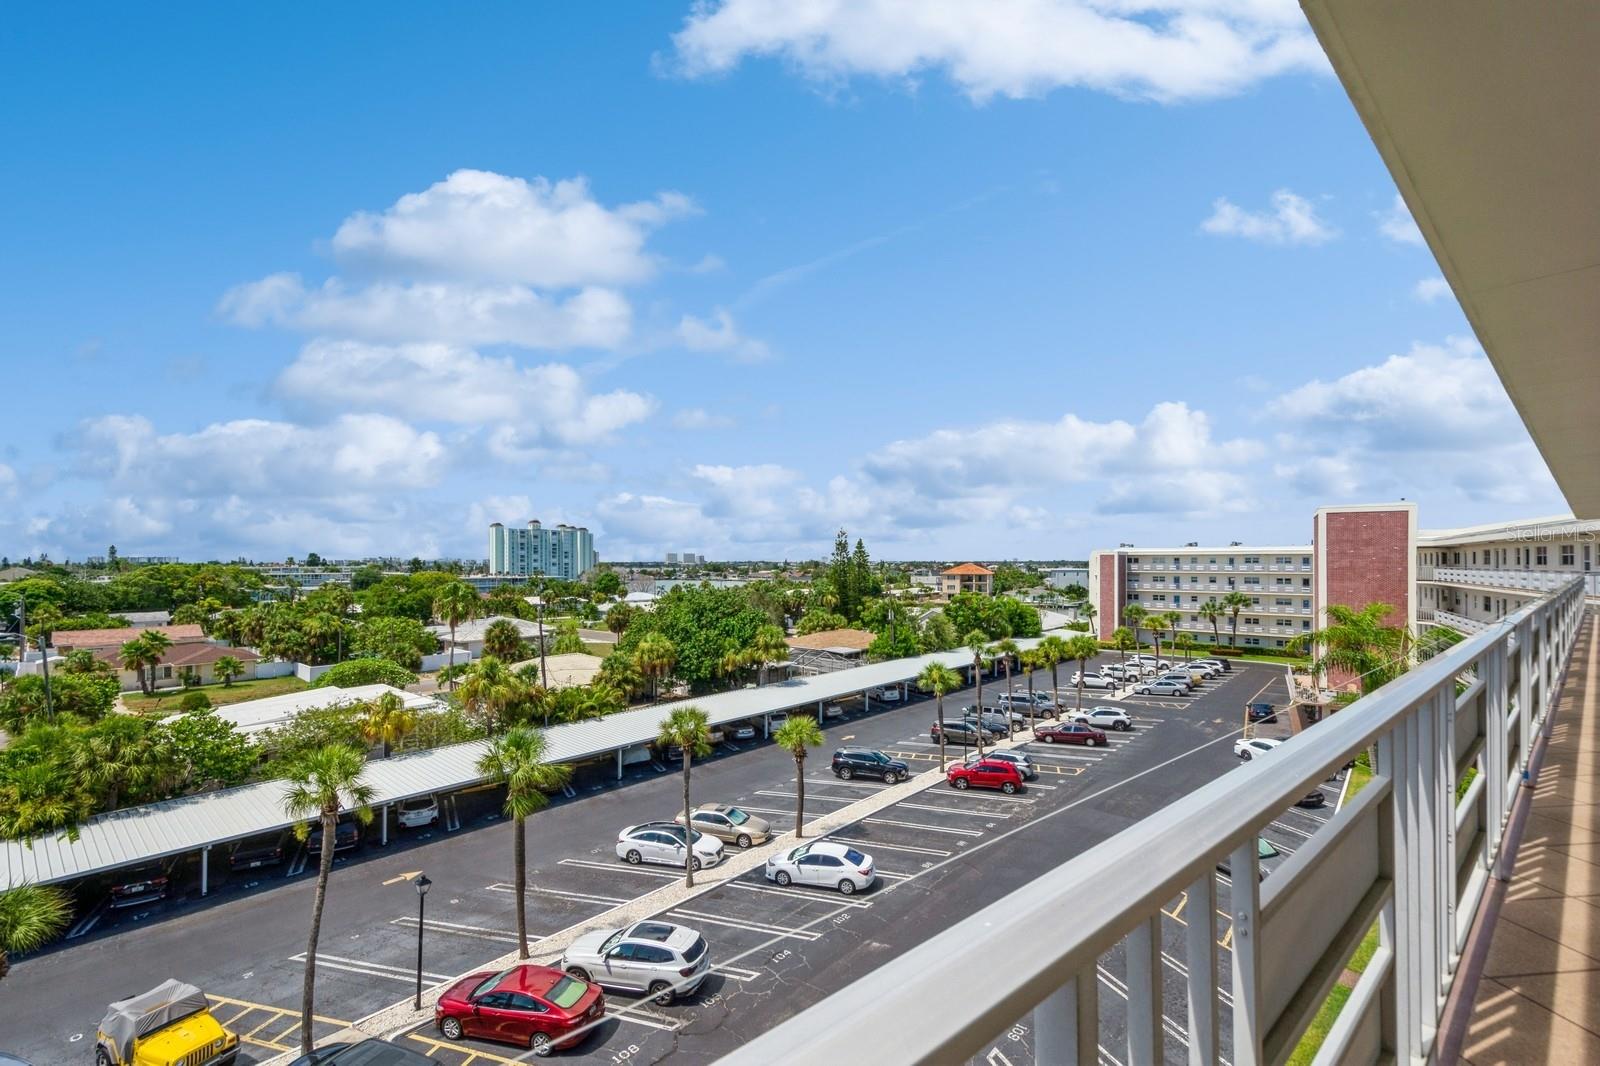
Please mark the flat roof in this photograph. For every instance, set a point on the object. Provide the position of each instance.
(190, 823)
(1232, 549)
(252, 716)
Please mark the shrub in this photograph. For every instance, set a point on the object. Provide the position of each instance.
(194, 701)
(354, 672)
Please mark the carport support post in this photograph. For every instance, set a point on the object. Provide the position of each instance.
(766, 727)
(866, 701)
(383, 829)
(205, 869)
(619, 764)
(819, 712)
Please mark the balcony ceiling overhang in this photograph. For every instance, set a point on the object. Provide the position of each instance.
(1488, 116)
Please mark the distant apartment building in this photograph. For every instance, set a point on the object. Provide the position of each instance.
(672, 558)
(1468, 578)
(1060, 577)
(1358, 555)
(968, 577)
(565, 552)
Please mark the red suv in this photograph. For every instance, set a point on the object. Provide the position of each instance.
(536, 1007)
(989, 773)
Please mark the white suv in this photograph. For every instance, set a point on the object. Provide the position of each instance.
(1093, 680)
(662, 842)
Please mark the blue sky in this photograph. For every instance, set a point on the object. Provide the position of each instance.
(1019, 279)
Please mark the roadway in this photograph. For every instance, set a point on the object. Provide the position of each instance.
(941, 854)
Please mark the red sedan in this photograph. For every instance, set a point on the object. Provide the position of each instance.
(987, 773)
(535, 1007)
(1070, 733)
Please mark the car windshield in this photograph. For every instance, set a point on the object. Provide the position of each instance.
(611, 941)
(736, 816)
(486, 985)
(565, 992)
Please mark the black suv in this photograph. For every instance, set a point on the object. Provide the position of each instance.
(850, 762)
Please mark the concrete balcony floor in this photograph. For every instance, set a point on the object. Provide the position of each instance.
(1536, 953)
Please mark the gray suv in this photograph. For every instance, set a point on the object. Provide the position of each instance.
(658, 958)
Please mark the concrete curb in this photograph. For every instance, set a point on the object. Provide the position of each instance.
(393, 1020)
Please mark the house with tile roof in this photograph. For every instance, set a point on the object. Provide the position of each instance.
(968, 577)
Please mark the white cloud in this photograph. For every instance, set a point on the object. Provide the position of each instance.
(719, 334)
(1165, 50)
(434, 311)
(1397, 223)
(691, 418)
(480, 226)
(1430, 289)
(1290, 220)
(8, 482)
(534, 406)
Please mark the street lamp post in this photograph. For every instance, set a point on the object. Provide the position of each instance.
(422, 884)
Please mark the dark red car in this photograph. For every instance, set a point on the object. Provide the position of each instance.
(987, 773)
(1070, 733)
(535, 1007)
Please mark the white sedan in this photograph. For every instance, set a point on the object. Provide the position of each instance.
(1093, 680)
(662, 842)
(824, 864)
(1249, 749)
(1105, 718)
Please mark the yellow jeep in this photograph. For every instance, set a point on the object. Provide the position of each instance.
(170, 1025)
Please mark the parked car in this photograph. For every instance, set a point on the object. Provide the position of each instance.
(369, 1052)
(170, 1024)
(1262, 712)
(833, 710)
(418, 812)
(1161, 688)
(743, 730)
(655, 957)
(536, 1007)
(958, 732)
(824, 864)
(997, 723)
(1150, 660)
(1178, 677)
(1017, 704)
(141, 885)
(1312, 800)
(1264, 851)
(1104, 718)
(1195, 674)
(1221, 664)
(346, 835)
(728, 823)
(662, 842)
(1249, 749)
(887, 695)
(1019, 759)
(985, 773)
(1093, 680)
(866, 762)
(1119, 673)
(1070, 733)
(256, 852)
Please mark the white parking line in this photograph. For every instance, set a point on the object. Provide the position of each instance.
(738, 973)
(1051, 752)
(752, 927)
(809, 795)
(622, 868)
(833, 780)
(404, 975)
(580, 897)
(876, 844)
(1287, 828)
(471, 932)
(950, 810)
(929, 828)
(833, 898)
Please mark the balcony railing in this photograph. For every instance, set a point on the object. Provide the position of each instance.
(1458, 622)
(1405, 855)
(1519, 580)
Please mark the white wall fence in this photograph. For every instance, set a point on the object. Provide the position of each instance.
(1405, 855)
(274, 668)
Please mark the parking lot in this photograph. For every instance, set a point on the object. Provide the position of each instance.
(939, 854)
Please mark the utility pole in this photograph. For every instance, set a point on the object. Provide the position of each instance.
(44, 653)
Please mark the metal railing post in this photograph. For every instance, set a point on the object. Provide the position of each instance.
(1066, 1024)
(1200, 941)
(1244, 904)
(1143, 951)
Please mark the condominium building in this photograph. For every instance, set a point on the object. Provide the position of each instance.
(1467, 578)
(1358, 554)
(968, 577)
(566, 552)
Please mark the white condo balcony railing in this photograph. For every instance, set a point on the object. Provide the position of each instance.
(1520, 580)
(1404, 855)
(1458, 622)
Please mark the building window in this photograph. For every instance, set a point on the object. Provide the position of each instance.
(1305, 582)
(1305, 624)
(1252, 621)
(1541, 556)
(1253, 641)
(1306, 604)
(1568, 556)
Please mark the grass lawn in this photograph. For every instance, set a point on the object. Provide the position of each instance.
(238, 692)
(601, 650)
(1311, 1042)
(1360, 774)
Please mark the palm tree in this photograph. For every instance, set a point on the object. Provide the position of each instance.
(1133, 617)
(1122, 640)
(622, 672)
(1234, 602)
(1005, 650)
(455, 603)
(1212, 611)
(768, 647)
(686, 728)
(655, 657)
(1184, 643)
(388, 721)
(600, 699)
(796, 734)
(155, 644)
(1088, 613)
(489, 689)
(30, 917)
(1360, 643)
(731, 662)
(516, 759)
(1055, 651)
(977, 642)
(131, 657)
(318, 628)
(1082, 648)
(939, 679)
(503, 640)
(123, 757)
(1031, 661)
(1169, 621)
(320, 782)
(227, 668)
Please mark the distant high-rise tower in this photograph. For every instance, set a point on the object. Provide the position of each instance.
(672, 558)
(565, 552)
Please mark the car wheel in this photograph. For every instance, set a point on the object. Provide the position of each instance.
(1122, 725)
(959, 782)
(101, 1058)
(694, 863)
(1245, 755)
(579, 972)
(782, 877)
(634, 858)
(539, 1044)
(1048, 739)
(451, 1028)
(847, 887)
(744, 840)
(661, 993)
(1008, 788)
(845, 773)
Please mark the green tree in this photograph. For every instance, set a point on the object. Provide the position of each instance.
(354, 672)
(227, 668)
(568, 641)
(1032, 662)
(768, 648)
(938, 633)
(1233, 603)
(1133, 617)
(503, 640)
(131, 656)
(89, 697)
(819, 621)
(1122, 640)
(1005, 651)
(321, 628)
(156, 645)
(796, 735)
(619, 617)
(490, 690)
(516, 759)
(39, 790)
(700, 622)
(1082, 648)
(687, 728)
(606, 582)
(655, 657)
(622, 673)
(214, 752)
(1088, 613)
(1360, 644)
(1056, 651)
(396, 638)
(939, 679)
(453, 604)
(1184, 643)
(388, 721)
(30, 917)
(320, 783)
(123, 757)
(1211, 611)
